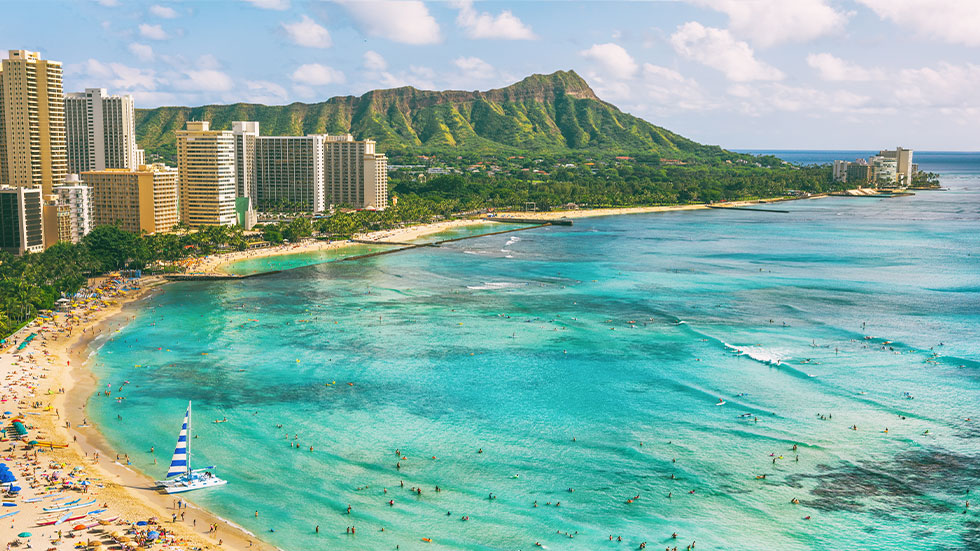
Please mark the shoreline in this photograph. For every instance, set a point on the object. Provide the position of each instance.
(69, 381)
(218, 263)
(129, 492)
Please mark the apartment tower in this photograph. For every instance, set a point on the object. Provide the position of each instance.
(32, 122)
(101, 131)
(141, 200)
(289, 173)
(354, 173)
(78, 198)
(206, 165)
(21, 220)
(245, 133)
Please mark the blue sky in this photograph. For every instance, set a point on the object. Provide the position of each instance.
(831, 74)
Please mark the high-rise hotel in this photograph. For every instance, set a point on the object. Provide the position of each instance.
(141, 200)
(206, 168)
(101, 131)
(308, 173)
(32, 122)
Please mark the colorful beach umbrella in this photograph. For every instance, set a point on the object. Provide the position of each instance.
(141, 523)
(153, 534)
(24, 535)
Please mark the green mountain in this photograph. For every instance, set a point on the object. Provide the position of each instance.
(547, 113)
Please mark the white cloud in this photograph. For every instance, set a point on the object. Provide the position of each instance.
(717, 49)
(163, 11)
(307, 32)
(408, 22)
(474, 68)
(373, 61)
(484, 25)
(670, 90)
(953, 21)
(279, 5)
(107, 3)
(613, 58)
(262, 91)
(762, 98)
(154, 32)
(837, 69)
(314, 74)
(204, 80)
(417, 76)
(947, 86)
(769, 22)
(142, 51)
(118, 76)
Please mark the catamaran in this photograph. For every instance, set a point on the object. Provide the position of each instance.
(180, 477)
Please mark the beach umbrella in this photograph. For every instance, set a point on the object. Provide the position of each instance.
(32, 443)
(79, 527)
(15, 489)
(141, 523)
(24, 535)
(153, 534)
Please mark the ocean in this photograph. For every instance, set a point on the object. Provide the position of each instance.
(576, 373)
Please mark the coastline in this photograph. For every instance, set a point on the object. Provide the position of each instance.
(69, 382)
(129, 493)
(218, 263)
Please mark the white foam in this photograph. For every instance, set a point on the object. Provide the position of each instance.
(492, 285)
(759, 354)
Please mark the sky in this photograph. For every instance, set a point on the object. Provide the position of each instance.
(778, 74)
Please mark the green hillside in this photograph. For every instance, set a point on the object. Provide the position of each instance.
(548, 113)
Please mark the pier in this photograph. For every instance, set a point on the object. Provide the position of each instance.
(409, 246)
(539, 221)
(757, 209)
(214, 276)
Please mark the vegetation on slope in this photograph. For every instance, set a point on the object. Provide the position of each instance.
(542, 113)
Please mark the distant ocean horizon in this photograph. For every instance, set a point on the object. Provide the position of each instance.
(932, 161)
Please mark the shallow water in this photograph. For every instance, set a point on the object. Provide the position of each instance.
(589, 357)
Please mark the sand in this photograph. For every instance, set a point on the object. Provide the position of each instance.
(50, 373)
(49, 383)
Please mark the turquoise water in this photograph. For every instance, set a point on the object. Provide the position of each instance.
(525, 345)
(298, 260)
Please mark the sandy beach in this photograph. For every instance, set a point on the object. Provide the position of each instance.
(216, 263)
(47, 384)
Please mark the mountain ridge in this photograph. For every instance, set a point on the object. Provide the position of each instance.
(547, 113)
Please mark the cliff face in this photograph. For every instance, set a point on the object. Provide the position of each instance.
(553, 112)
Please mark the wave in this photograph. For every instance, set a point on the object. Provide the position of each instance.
(513, 239)
(759, 354)
(493, 285)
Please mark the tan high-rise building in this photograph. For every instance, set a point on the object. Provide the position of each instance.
(32, 122)
(142, 200)
(57, 221)
(354, 173)
(101, 131)
(206, 164)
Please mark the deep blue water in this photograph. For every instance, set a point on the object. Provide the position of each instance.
(590, 357)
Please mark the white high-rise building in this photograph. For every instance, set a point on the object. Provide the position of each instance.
(78, 198)
(245, 133)
(840, 171)
(101, 131)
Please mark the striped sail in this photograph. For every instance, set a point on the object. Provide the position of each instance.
(178, 465)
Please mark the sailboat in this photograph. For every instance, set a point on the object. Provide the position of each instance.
(180, 477)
